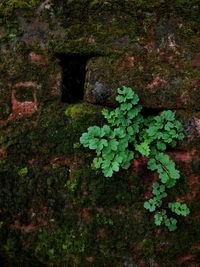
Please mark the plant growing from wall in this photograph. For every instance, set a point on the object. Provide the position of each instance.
(127, 135)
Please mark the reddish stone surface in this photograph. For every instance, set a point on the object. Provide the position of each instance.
(138, 164)
(180, 199)
(197, 123)
(101, 233)
(26, 228)
(183, 259)
(192, 195)
(155, 83)
(148, 182)
(196, 60)
(22, 228)
(193, 264)
(90, 259)
(25, 84)
(150, 47)
(32, 161)
(91, 39)
(171, 43)
(22, 108)
(194, 190)
(183, 156)
(59, 161)
(196, 246)
(154, 264)
(127, 60)
(170, 59)
(86, 214)
(193, 180)
(2, 153)
(186, 157)
(37, 58)
(183, 99)
(195, 83)
(37, 220)
(142, 263)
(130, 61)
(85, 193)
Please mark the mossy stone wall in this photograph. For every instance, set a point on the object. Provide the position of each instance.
(55, 210)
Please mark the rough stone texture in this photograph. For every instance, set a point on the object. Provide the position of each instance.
(54, 209)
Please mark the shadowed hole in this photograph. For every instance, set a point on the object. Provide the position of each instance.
(73, 77)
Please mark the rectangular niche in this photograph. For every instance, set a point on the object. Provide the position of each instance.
(73, 76)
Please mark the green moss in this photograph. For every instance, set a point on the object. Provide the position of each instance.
(80, 109)
(60, 186)
(9, 17)
(9, 6)
(77, 46)
(5, 109)
(115, 224)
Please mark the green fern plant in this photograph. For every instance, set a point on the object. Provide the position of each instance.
(148, 137)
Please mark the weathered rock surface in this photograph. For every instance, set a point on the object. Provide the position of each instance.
(55, 210)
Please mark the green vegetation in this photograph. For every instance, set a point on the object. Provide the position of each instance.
(9, 6)
(179, 209)
(23, 171)
(55, 209)
(9, 17)
(147, 137)
(161, 218)
(111, 141)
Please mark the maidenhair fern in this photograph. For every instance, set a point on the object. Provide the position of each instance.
(148, 137)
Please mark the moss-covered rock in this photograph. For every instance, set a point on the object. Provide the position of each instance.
(56, 210)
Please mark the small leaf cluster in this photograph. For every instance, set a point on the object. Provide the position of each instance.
(23, 171)
(171, 223)
(146, 136)
(179, 209)
(156, 201)
(165, 167)
(161, 218)
(111, 141)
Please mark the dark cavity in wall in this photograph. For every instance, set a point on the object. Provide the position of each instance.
(73, 77)
(151, 111)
